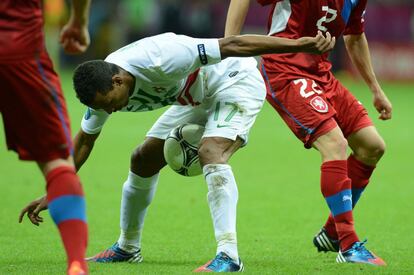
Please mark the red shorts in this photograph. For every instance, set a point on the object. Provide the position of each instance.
(312, 109)
(34, 110)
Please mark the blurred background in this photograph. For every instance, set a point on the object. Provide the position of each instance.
(113, 24)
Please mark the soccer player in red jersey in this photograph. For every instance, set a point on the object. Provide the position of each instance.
(35, 116)
(321, 112)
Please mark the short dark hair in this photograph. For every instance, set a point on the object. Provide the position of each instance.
(91, 77)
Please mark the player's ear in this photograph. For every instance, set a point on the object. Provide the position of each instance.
(116, 80)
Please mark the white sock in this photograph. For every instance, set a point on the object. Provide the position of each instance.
(222, 198)
(137, 195)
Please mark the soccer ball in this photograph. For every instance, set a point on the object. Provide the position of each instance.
(181, 149)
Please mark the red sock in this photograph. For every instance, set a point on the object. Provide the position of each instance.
(336, 188)
(359, 173)
(330, 227)
(67, 209)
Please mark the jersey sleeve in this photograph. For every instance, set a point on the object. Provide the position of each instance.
(356, 20)
(93, 121)
(181, 55)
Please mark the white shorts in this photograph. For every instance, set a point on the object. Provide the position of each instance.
(228, 113)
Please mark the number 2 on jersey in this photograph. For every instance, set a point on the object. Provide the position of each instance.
(330, 16)
(305, 91)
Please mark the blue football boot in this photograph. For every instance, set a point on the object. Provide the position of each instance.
(116, 254)
(221, 263)
(359, 254)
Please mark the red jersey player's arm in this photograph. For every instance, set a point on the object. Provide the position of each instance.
(80, 11)
(236, 16)
(74, 36)
(253, 45)
(358, 50)
(83, 144)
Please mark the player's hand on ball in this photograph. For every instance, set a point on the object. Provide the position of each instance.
(318, 44)
(33, 210)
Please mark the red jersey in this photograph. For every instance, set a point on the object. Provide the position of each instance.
(297, 18)
(21, 34)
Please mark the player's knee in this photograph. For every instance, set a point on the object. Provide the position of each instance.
(137, 156)
(340, 146)
(148, 159)
(333, 148)
(48, 166)
(374, 152)
(210, 153)
(379, 149)
(142, 155)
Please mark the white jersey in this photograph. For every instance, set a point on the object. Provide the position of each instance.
(167, 71)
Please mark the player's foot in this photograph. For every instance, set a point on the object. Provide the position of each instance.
(359, 254)
(324, 243)
(76, 269)
(221, 263)
(116, 254)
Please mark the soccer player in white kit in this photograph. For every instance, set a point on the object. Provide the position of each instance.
(170, 69)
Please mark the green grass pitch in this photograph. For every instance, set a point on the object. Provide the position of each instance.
(280, 205)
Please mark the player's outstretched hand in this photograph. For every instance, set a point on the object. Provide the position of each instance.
(74, 37)
(318, 44)
(382, 104)
(33, 209)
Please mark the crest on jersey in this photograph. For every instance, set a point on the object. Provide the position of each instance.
(319, 104)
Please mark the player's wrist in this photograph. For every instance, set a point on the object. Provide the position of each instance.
(375, 88)
(303, 44)
(80, 22)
